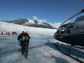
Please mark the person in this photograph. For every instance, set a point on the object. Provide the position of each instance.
(14, 33)
(1, 33)
(24, 43)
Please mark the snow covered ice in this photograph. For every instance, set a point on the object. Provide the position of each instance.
(41, 46)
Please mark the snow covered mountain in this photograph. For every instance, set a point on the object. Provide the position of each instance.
(28, 22)
(10, 27)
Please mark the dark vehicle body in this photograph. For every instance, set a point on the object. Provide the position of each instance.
(72, 33)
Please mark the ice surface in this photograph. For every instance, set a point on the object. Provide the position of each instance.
(41, 50)
(41, 47)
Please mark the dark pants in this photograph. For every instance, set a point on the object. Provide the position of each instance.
(24, 49)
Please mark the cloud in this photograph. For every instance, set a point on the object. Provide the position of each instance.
(35, 18)
(44, 20)
(56, 25)
(22, 16)
(39, 20)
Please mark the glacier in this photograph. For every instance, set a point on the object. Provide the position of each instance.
(41, 46)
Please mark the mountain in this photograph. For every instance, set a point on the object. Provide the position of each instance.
(20, 21)
(42, 25)
(28, 22)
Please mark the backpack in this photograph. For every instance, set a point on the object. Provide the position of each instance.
(24, 38)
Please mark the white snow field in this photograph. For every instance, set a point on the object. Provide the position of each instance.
(41, 46)
(10, 27)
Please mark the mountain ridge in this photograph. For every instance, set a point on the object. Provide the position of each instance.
(27, 22)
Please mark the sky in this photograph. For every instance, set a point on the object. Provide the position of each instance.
(49, 11)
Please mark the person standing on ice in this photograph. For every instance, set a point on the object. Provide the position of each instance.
(24, 38)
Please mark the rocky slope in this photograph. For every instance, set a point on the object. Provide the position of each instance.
(27, 22)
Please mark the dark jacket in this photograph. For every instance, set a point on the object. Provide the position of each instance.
(20, 36)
